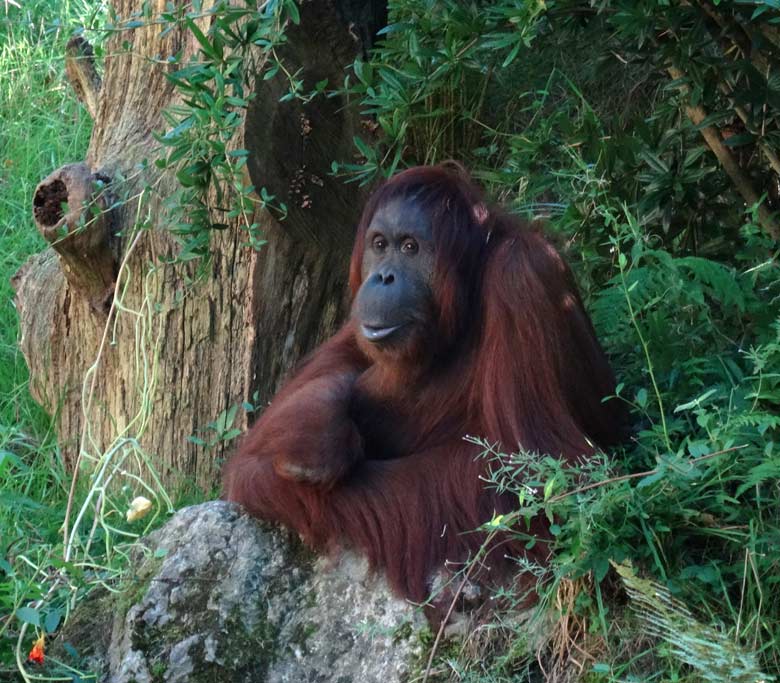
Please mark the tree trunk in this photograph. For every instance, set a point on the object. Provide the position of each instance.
(130, 351)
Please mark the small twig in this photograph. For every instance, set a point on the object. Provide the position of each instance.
(638, 475)
(455, 597)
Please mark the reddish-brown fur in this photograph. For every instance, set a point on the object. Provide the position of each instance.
(510, 356)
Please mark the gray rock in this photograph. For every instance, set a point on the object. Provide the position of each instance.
(217, 596)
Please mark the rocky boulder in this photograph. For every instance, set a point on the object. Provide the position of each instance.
(216, 596)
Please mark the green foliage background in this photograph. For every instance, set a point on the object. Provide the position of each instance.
(570, 112)
(43, 126)
(577, 113)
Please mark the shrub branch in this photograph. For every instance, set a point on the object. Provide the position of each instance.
(712, 137)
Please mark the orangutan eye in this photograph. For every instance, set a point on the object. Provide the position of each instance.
(379, 243)
(409, 246)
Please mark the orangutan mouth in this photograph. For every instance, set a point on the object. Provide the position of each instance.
(377, 333)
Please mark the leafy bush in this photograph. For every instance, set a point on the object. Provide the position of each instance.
(600, 119)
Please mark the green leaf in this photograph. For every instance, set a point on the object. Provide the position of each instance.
(52, 620)
(29, 615)
(511, 56)
(695, 403)
(8, 459)
(651, 479)
(548, 488)
(740, 139)
(205, 45)
(364, 149)
(292, 12)
(231, 415)
(497, 521)
(600, 568)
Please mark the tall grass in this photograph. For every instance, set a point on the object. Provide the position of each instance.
(43, 127)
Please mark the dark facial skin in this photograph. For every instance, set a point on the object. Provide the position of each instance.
(394, 302)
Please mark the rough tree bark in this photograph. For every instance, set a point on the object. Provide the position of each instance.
(177, 352)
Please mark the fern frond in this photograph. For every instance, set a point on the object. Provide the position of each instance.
(714, 654)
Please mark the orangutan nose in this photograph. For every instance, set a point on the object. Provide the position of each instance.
(386, 278)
